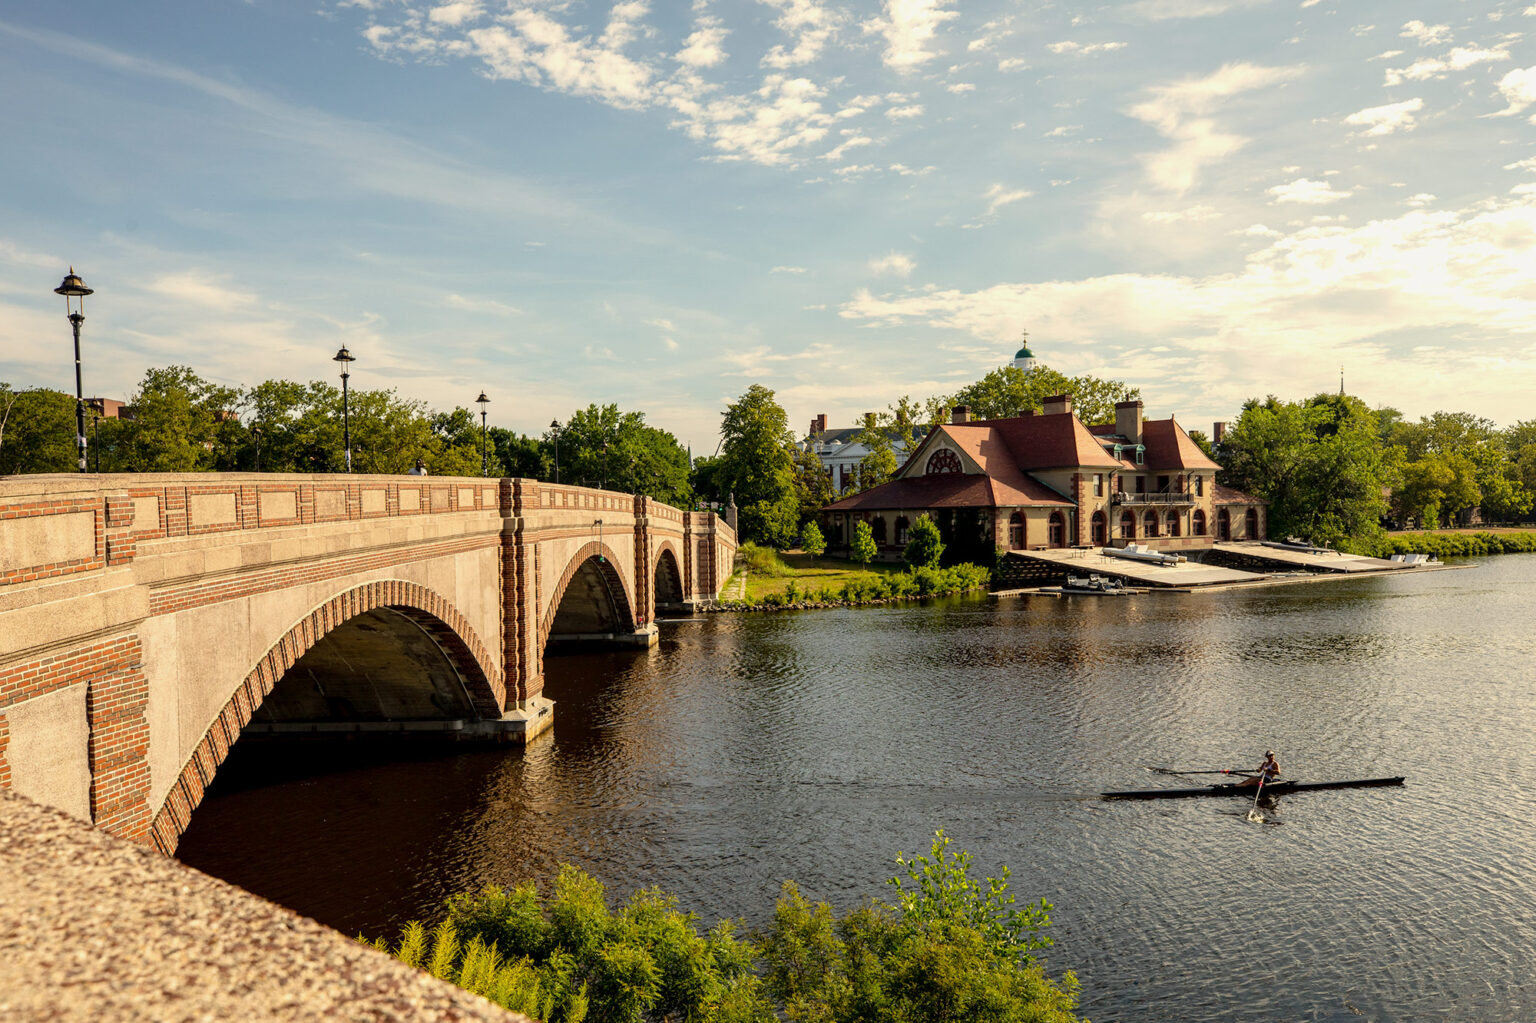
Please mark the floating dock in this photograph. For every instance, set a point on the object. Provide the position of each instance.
(1222, 564)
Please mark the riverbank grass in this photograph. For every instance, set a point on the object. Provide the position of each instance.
(798, 579)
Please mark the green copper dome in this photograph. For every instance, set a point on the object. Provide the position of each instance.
(1025, 353)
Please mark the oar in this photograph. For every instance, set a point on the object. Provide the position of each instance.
(1169, 770)
(1253, 813)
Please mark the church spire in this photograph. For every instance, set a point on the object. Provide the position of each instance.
(1024, 359)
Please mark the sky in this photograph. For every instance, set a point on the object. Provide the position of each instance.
(659, 205)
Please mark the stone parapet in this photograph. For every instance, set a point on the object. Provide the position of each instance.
(96, 928)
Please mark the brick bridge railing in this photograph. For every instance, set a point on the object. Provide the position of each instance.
(144, 618)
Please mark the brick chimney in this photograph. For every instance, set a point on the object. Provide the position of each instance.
(1057, 404)
(1128, 420)
(961, 414)
(819, 424)
(1218, 432)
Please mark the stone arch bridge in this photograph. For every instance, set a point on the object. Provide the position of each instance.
(147, 621)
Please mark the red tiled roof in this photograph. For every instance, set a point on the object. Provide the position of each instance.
(949, 490)
(1227, 495)
(1032, 443)
(1169, 447)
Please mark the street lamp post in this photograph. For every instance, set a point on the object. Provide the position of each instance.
(256, 430)
(344, 357)
(483, 401)
(605, 463)
(554, 425)
(74, 291)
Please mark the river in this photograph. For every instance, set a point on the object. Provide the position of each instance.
(746, 749)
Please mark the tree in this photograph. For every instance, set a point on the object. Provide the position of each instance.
(1318, 463)
(813, 484)
(181, 423)
(1009, 391)
(924, 547)
(811, 540)
(757, 466)
(523, 456)
(879, 464)
(864, 549)
(37, 431)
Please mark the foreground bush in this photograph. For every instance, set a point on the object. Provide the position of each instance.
(948, 949)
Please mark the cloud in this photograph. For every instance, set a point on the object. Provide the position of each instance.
(1519, 90)
(1193, 214)
(809, 24)
(1167, 10)
(909, 27)
(1180, 112)
(455, 14)
(789, 270)
(1458, 59)
(705, 46)
(195, 287)
(1062, 131)
(480, 305)
(1307, 192)
(896, 264)
(1081, 49)
(959, 88)
(999, 196)
(1292, 303)
(905, 113)
(1427, 35)
(1384, 120)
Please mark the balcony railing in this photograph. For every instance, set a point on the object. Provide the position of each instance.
(1170, 498)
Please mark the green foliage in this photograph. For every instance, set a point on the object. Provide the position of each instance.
(811, 540)
(924, 548)
(813, 484)
(1446, 545)
(939, 893)
(570, 956)
(37, 431)
(864, 548)
(1009, 391)
(1318, 463)
(603, 447)
(760, 560)
(950, 949)
(757, 467)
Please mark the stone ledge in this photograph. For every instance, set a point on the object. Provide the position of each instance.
(96, 928)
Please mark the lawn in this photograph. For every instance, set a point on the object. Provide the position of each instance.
(806, 571)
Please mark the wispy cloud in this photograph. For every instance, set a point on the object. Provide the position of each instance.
(896, 264)
(1181, 112)
(1307, 192)
(1083, 49)
(1386, 119)
(999, 196)
(1458, 59)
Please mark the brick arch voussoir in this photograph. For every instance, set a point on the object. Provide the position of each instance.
(618, 587)
(427, 609)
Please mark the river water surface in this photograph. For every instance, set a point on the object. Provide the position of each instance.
(746, 749)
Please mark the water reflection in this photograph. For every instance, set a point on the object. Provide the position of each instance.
(747, 749)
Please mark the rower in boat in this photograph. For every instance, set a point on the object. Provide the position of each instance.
(1268, 771)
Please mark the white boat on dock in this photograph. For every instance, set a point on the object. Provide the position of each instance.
(1141, 552)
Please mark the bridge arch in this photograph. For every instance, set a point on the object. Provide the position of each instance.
(667, 577)
(592, 597)
(424, 608)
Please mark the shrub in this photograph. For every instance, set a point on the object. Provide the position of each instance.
(811, 540)
(761, 560)
(924, 548)
(864, 548)
(571, 958)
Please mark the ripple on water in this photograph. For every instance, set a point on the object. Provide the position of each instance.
(745, 750)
